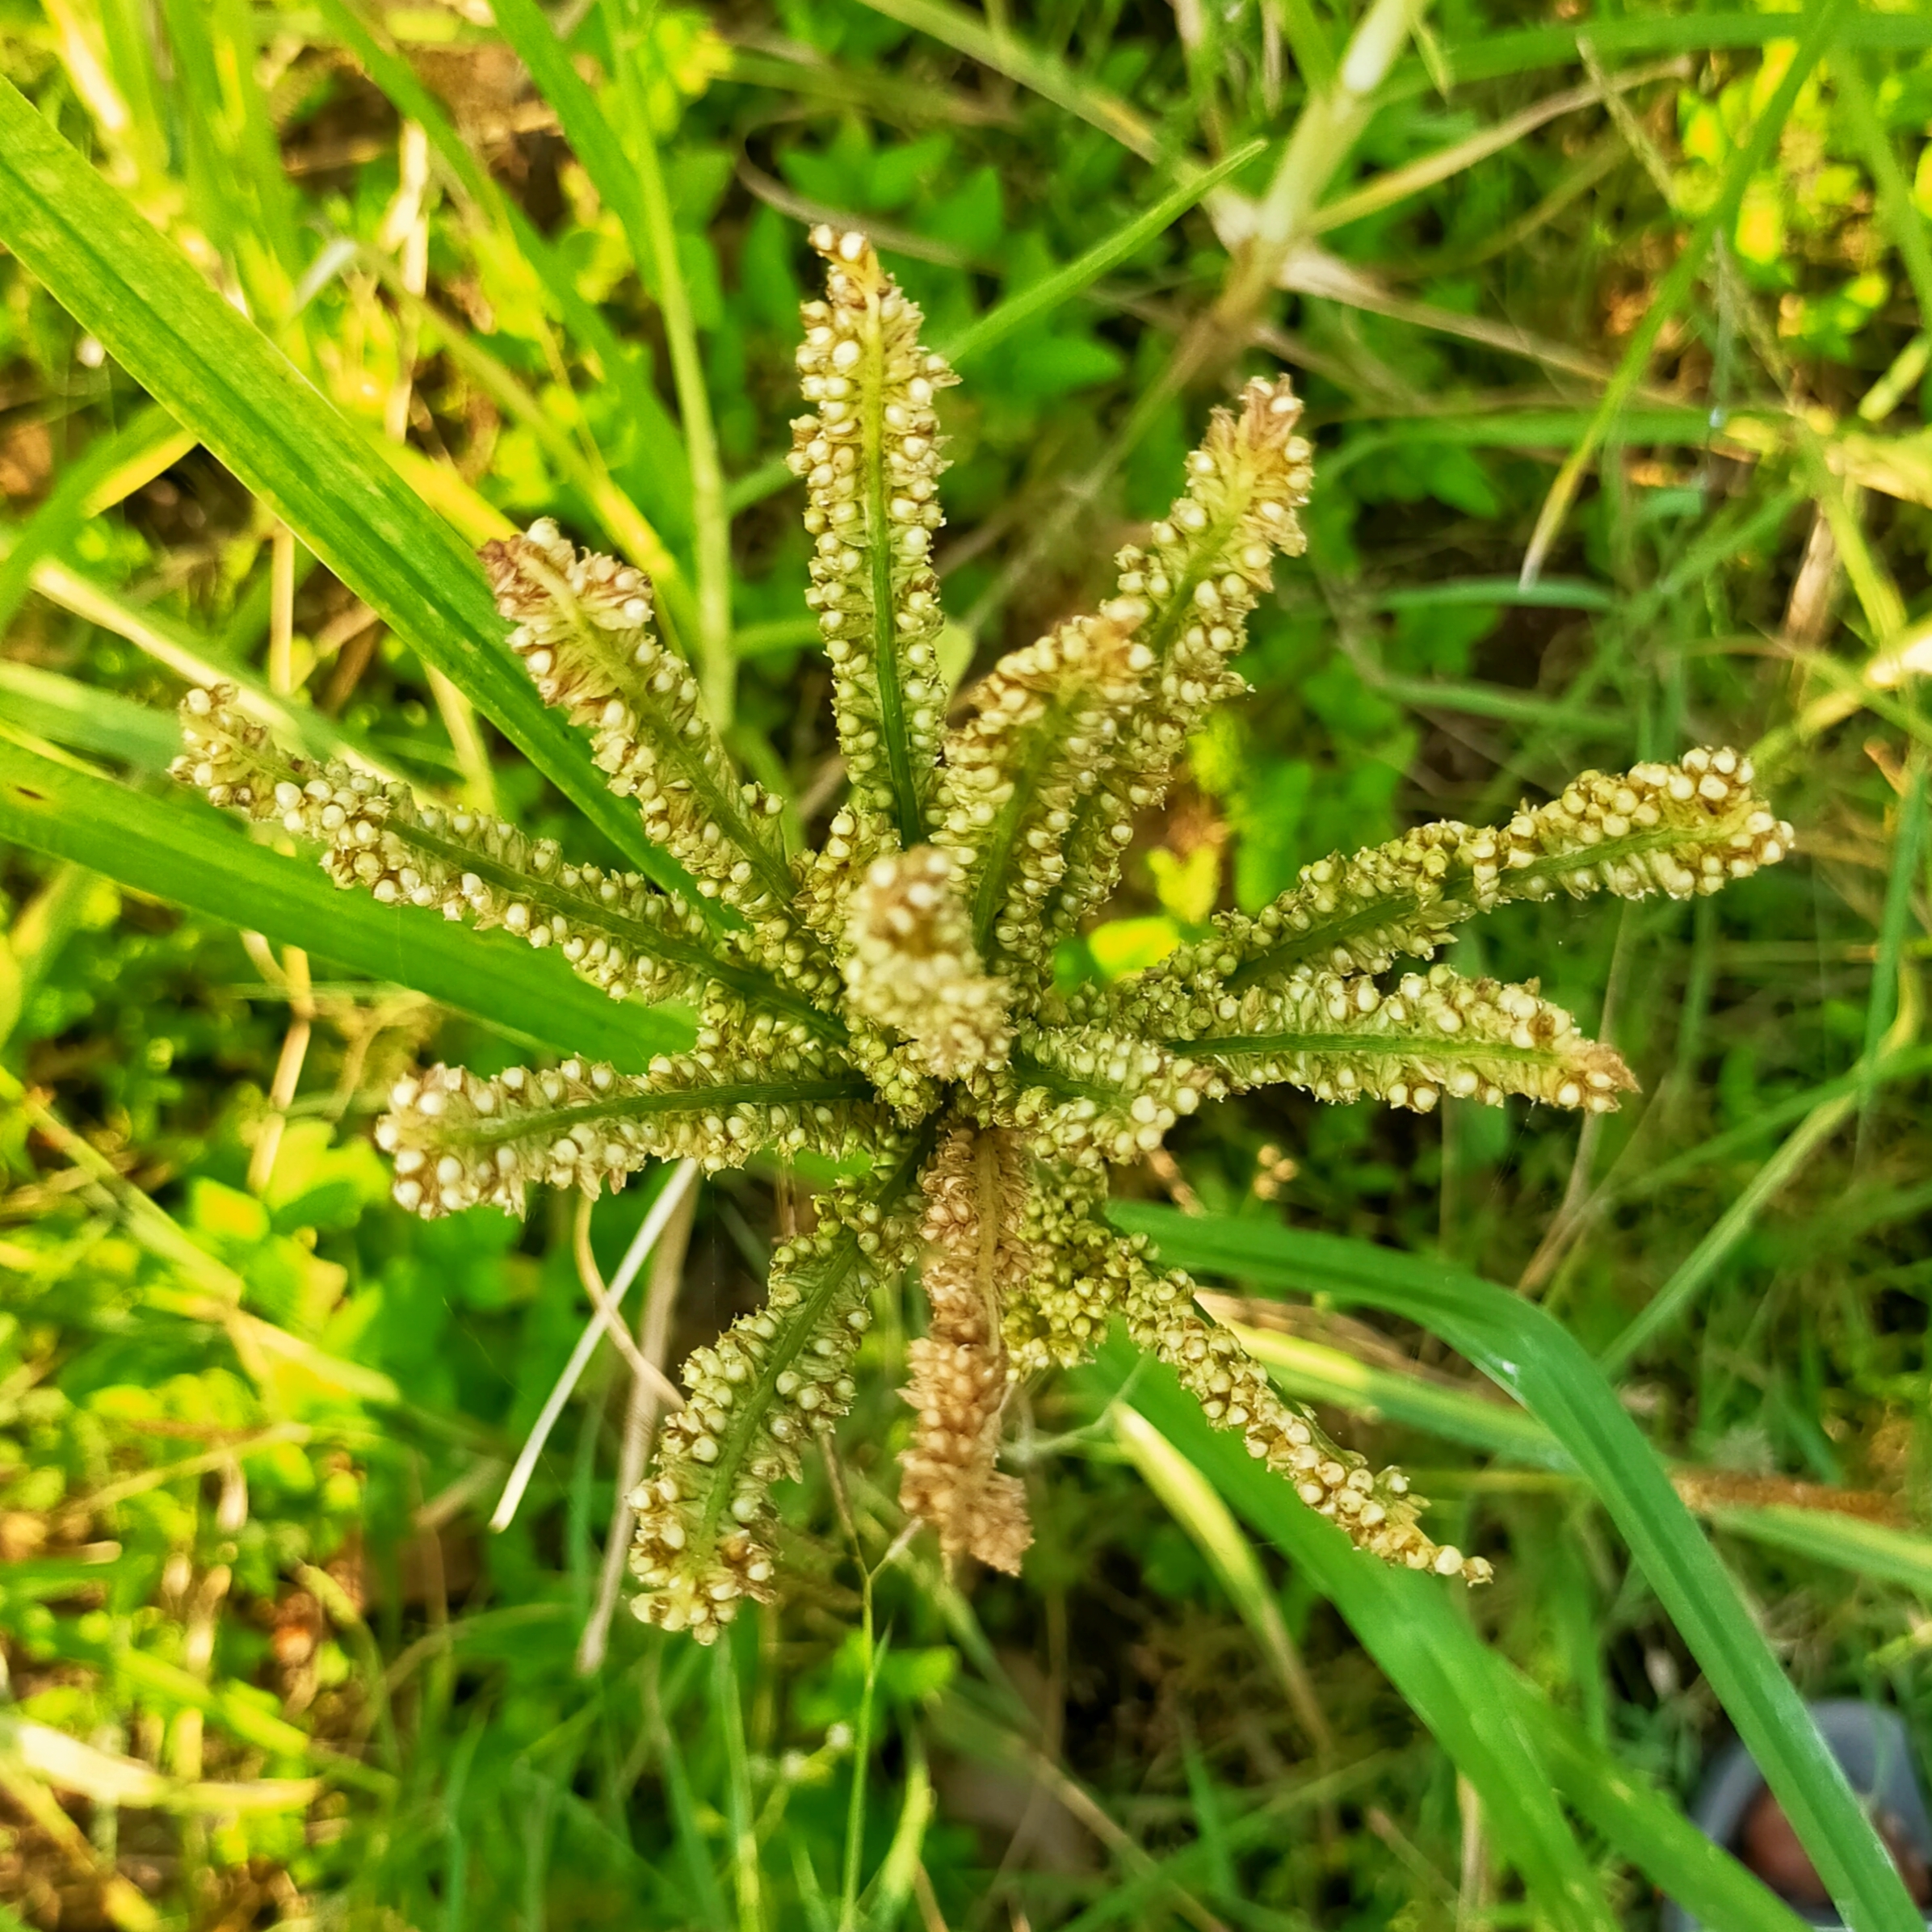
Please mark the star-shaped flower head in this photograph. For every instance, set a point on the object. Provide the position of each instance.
(888, 1002)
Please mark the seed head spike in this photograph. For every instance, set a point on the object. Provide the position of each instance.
(972, 1254)
(459, 1140)
(1375, 1508)
(1346, 1039)
(613, 929)
(705, 1540)
(911, 968)
(1683, 828)
(583, 627)
(870, 457)
(1206, 564)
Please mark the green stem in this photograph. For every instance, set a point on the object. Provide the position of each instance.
(711, 518)
(862, 1753)
(1045, 738)
(1377, 1046)
(1324, 136)
(491, 1130)
(653, 941)
(801, 1322)
(748, 1881)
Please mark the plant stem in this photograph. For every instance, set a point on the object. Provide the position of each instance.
(1323, 137)
(629, 24)
(744, 1840)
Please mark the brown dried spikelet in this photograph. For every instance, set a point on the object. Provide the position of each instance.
(975, 1196)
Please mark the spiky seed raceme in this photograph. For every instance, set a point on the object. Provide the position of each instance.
(1206, 564)
(974, 1256)
(1682, 829)
(1374, 1508)
(890, 997)
(1042, 724)
(870, 457)
(775, 1378)
(911, 967)
(1090, 1096)
(615, 929)
(460, 1139)
(583, 627)
(1345, 1039)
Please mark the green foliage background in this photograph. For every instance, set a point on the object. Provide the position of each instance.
(252, 1418)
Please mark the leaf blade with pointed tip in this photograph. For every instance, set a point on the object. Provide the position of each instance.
(187, 855)
(1491, 1721)
(224, 380)
(1536, 1359)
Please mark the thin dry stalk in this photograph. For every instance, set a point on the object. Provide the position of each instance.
(640, 1421)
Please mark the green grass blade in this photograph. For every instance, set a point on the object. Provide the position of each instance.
(892, 1888)
(1910, 232)
(1881, 1005)
(623, 523)
(1405, 1623)
(1710, 1254)
(1045, 73)
(1873, 1550)
(1494, 1723)
(628, 22)
(226, 382)
(635, 193)
(151, 438)
(693, 1853)
(1821, 26)
(1084, 270)
(1494, 55)
(237, 193)
(1647, 1827)
(1314, 1372)
(1520, 1347)
(1195, 1505)
(667, 464)
(728, 1713)
(181, 853)
(196, 660)
(68, 712)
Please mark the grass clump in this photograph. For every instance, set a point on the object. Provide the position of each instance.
(890, 947)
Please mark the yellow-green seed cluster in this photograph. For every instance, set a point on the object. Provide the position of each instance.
(1375, 1508)
(1345, 1039)
(1092, 1096)
(1077, 1274)
(774, 1380)
(614, 929)
(582, 626)
(911, 969)
(888, 1001)
(1044, 722)
(460, 1140)
(1194, 582)
(1679, 829)
(957, 1375)
(870, 458)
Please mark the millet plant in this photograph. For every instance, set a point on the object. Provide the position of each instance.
(889, 1001)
